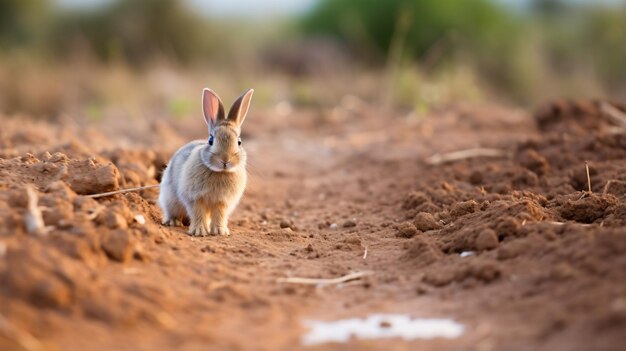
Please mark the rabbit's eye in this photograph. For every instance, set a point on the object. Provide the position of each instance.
(211, 140)
(239, 141)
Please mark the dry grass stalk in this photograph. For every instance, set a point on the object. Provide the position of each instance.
(607, 186)
(588, 177)
(563, 223)
(33, 218)
(437, 159)
(323, 281)
(615, 114)
(365, 253)
(121, 191)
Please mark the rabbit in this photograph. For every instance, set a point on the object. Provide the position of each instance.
(205, 179)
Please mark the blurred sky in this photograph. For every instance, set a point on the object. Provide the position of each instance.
(268, 8)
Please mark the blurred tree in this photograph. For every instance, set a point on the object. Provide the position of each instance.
(477, 22)
(479, 32)
(22, 21)
(579, 39)
(137, 31)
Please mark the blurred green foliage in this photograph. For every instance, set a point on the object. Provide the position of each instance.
(433, 31)
(522, 51)
(551, 48)
(136, 31)
(22, 22)
(584, 37)
(480, 23)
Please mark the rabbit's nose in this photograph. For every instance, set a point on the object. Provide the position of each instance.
(225, 162)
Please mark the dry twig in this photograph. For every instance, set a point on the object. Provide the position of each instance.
(93, 214)
(563, 223)
(588, 177)
(325, 281)
(464, 154)
(121, 191)
(607, 186)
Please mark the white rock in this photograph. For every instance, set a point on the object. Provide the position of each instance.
(140, 219)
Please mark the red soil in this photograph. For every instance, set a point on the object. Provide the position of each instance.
(547, 271)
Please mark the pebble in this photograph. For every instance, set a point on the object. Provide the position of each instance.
(140, 219)
(349, 223)
(114, 220)
(118, 245)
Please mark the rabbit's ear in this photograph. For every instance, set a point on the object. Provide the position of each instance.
(212, 107)
(240, 107)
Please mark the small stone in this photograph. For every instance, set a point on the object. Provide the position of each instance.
(285, 224)
(486, 240)
(118, 245)
(140, 219)
(114, 220)
(333, 226)
(349, 223)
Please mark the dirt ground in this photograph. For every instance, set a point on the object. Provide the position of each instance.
(547, 269)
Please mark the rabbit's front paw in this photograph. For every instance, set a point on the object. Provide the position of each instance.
(217, 230)
(199, 230)
(174, 222)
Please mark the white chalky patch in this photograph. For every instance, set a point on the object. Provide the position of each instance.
(467, 253)
(379, 326)
(140, 219)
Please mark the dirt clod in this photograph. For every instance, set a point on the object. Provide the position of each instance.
(588, 208)
(487, 239)
(349, 223)
(406, 230)
(114, 220)
(118, 245)
(92, 177)
(462, 208)
(425, 221)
